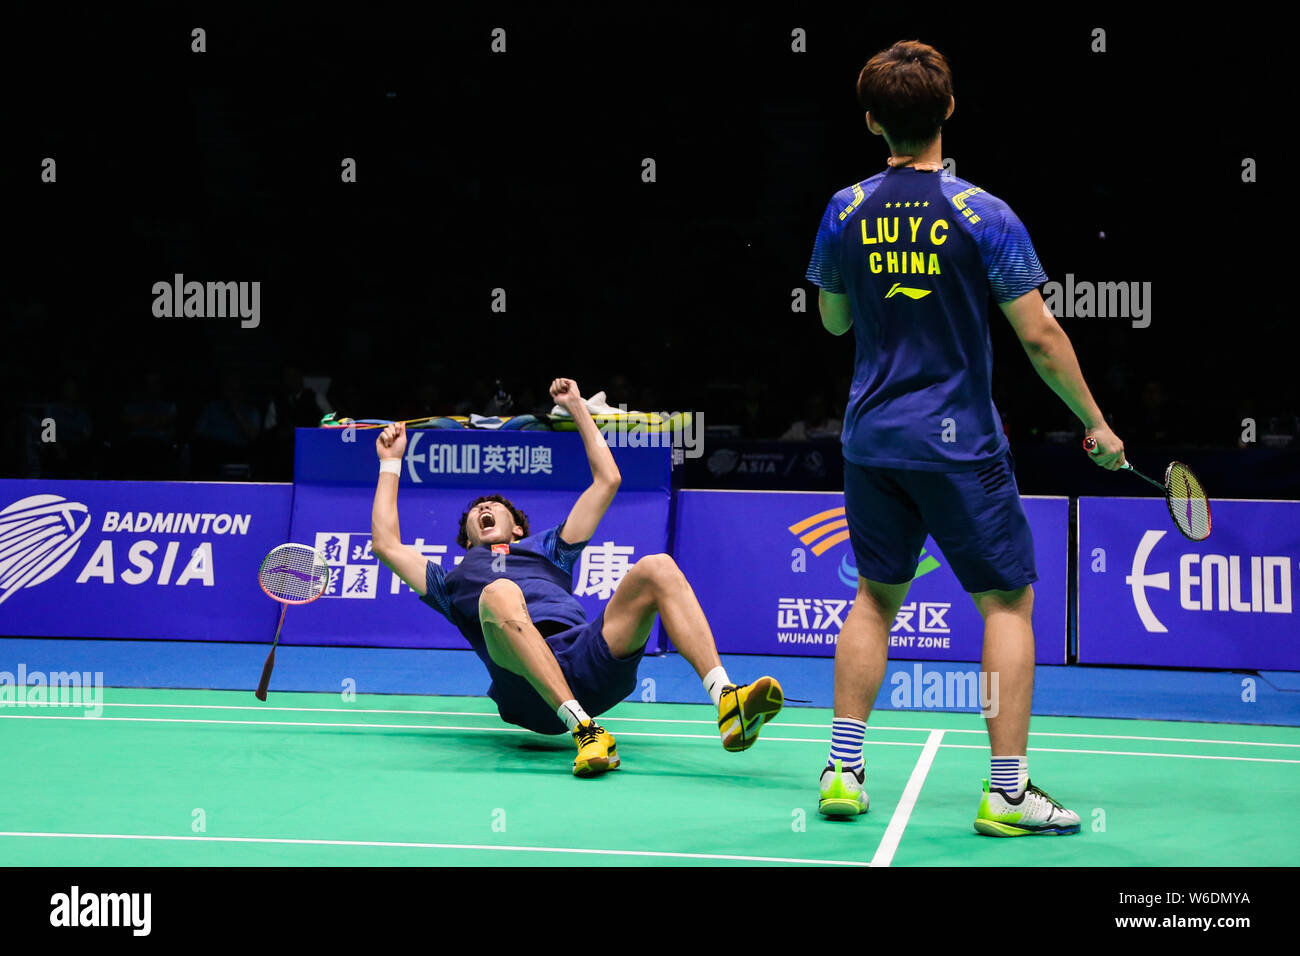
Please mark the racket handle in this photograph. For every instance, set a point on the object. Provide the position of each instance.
(266, 675)
(1089, 444)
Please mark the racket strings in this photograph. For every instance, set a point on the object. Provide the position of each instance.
(1189, 506)
(294, 574)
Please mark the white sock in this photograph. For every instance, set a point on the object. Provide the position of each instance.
(714, 681)
(572, 714)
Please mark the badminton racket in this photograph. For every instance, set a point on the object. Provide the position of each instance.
(1188, 504)
(291, 574)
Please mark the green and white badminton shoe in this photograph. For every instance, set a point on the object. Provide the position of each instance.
(1033, 813)
(842, 791)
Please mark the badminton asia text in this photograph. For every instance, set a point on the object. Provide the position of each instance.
(195, 565)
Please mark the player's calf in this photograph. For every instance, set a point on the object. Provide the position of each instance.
(502, 611)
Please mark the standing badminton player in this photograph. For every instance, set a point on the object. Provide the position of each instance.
(907, 259)
(511, 597)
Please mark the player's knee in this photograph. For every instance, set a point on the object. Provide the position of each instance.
(1020, 600)
(660, 569)
(883, 599)
(499, 594)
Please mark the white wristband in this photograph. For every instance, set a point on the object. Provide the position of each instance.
(390, 466)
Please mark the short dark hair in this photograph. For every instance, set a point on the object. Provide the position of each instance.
(906, 90)
(521, 519)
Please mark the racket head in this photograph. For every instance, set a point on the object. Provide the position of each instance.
(1188, 503)
(294, 574)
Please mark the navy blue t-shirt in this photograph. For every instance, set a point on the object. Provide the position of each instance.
(918, 254)
(541, 564)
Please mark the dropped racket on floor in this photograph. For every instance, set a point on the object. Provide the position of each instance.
(291, 574)
(1188, 504)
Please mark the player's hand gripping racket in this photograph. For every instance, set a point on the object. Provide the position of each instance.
(292, 574)
(1188, 504)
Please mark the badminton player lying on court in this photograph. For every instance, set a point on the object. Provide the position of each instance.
(907, 259)
(511, 597)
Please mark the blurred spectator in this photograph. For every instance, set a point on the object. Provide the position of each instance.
(1152, 423)
(425, 402)
(68, 455)
(151, 415)
(226, 431)
(146, 446)
(754, 417)
(817, 421)
(293, 404)
(617, 388)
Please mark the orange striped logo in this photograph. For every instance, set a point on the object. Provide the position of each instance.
(823, 530)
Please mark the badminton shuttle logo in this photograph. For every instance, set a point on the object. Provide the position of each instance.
(825, 529)
(38, 536)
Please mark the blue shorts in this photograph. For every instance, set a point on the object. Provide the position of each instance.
(598, 679)
(974, 516)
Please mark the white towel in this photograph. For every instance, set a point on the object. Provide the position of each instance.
(596, 405)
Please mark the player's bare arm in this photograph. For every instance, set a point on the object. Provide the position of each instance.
(386, 536)
(834, 308)
(1052, 355)
(591, 505)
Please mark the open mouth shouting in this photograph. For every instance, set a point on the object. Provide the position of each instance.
(486, 521)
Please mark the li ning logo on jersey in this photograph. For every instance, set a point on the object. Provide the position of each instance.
(208, 300)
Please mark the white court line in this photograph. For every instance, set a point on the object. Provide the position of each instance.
(622, 733)
(432, 846)
(1136, 753)
(669, 720)
(1126, 753)
(1180, 740)
(321, 723)
(898, 822)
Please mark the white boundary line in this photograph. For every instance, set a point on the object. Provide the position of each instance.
(671, 720)
(898, 822)
(433, 846)
(622, 733)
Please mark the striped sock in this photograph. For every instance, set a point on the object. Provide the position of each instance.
(846, 742)
(1009, 774)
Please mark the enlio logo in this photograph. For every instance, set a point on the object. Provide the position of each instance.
(826, 529)
(1211, 582)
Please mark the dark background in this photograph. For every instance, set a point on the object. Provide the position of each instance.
(522, 171)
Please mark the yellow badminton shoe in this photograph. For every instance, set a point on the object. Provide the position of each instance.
(744, 709)
(597, 751)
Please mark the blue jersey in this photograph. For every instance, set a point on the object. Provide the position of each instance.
(917, 253)
(542, 566)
